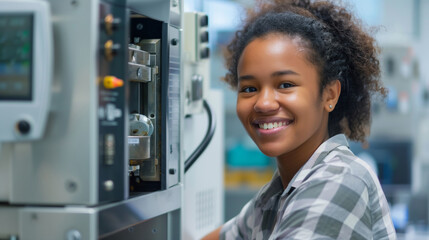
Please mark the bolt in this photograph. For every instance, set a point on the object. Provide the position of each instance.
(139, 26)
(174, 41)
(71, 186)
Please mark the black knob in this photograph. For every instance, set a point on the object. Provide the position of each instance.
(204, 37)
(205, 53)
(204, 21)
(174, 41)
(23, 126)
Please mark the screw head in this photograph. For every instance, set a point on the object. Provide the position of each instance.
(109, 185)
(71, 186)
(174, 41)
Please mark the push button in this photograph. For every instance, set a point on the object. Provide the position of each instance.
(205, 53)
(204, 37)
(204, 21)
(111, 82)
(23, 127)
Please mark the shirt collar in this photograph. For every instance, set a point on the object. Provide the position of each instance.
(321, 152)
(275, 185)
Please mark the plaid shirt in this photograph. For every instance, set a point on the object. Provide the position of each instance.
(335, 195)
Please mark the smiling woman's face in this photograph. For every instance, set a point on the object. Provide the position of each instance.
(279, 101)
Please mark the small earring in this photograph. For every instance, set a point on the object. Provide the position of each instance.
(330, 106)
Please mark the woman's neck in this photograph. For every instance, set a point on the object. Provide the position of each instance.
(290, 163)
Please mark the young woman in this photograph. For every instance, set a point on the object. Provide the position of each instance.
(305, 72)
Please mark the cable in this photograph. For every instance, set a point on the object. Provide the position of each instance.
(206, 140)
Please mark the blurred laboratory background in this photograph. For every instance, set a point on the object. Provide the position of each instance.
(398, 147)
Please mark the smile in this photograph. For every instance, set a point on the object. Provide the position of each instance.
(273, 125)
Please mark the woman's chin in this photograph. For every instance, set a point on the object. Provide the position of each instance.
(271, 152)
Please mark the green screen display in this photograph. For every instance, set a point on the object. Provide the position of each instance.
(16, 47)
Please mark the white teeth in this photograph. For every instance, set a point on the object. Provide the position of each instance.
(266, 126)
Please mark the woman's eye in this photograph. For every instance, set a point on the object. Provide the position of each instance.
(286, 85)
(248, 89)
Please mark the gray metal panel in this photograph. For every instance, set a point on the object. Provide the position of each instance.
(117, 216)
(173, 108)
(153, 229)
(113, 125)
(168, 11)
(164, 227)
(156, 9)
(174, 224)
(138, 56)
(5, 173)
(8, 221)
(62, 168)
(139, 73)
(152, 92)
(91, 222)
(57, 223)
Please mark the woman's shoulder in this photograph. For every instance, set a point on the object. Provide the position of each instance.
(342, 166)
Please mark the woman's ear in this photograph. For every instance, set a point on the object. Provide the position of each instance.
(331, 94)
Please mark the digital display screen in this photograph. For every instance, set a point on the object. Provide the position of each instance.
(16, 48)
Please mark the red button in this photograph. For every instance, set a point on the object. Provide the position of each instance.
(111, 82)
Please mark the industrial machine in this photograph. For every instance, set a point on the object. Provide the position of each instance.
(91, 95)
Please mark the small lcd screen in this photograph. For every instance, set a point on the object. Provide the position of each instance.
(16, 48)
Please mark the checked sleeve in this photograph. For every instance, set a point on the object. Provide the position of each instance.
(239, 227)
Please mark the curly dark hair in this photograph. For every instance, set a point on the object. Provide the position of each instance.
(335, 42)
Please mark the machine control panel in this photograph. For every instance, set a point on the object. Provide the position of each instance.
(25, 69)
(197, 62)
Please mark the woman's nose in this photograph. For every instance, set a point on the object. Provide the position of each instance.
(266, 101)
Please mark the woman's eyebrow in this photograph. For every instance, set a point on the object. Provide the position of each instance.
(246, 77)
(285, 72)
(274, 74)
